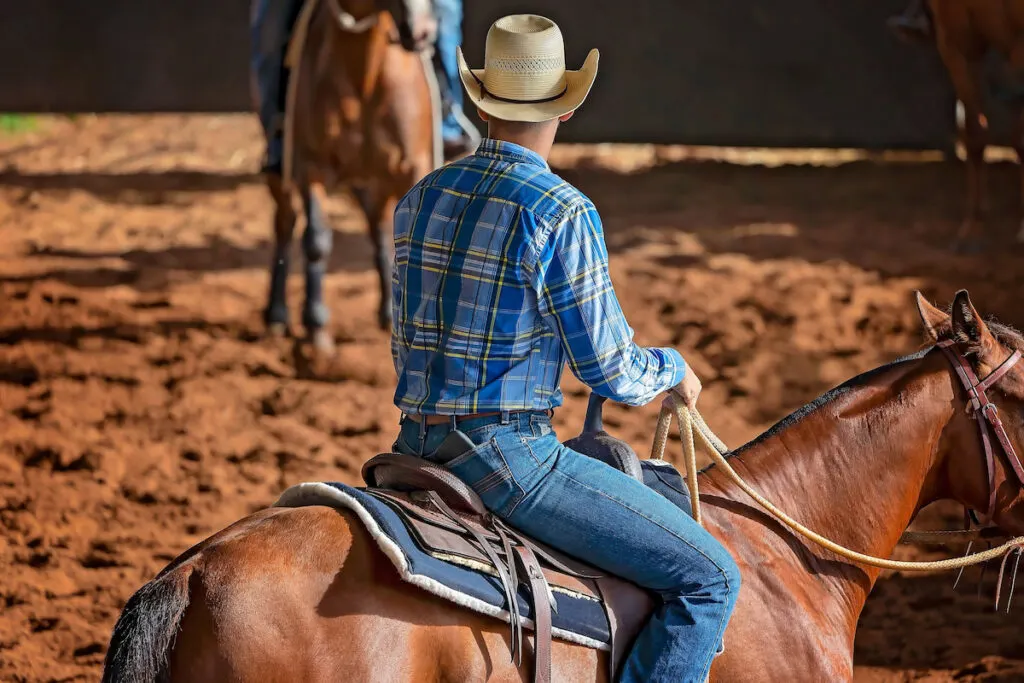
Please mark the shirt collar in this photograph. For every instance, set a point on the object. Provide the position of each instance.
(509, 151)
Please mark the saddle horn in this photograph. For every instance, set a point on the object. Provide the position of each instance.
(595, 442)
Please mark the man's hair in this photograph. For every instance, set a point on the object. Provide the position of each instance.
(516, 127)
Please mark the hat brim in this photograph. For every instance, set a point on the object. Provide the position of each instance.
(577, 87)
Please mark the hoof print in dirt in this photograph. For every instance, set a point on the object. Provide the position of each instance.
(316, 359)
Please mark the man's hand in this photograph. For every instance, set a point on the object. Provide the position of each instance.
(687, 391)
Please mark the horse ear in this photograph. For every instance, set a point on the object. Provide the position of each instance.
(935, 321)
(968, 327)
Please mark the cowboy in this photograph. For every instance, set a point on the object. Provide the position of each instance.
(272, 22)
(501, 278)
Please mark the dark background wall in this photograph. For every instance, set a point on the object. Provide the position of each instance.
(729, 72)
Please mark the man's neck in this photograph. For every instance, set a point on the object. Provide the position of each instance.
(538, 139)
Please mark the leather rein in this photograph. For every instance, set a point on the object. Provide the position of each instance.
(986, 414)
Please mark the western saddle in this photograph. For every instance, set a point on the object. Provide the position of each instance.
(448, 518)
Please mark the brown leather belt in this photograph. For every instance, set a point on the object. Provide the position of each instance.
(446, 419)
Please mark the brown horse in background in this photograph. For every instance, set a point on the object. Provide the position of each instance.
(361, 116)
(304, 594)
(965, 31)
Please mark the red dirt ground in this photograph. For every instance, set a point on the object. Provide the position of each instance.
(140, 409)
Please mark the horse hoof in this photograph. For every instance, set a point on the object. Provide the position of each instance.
(277, 330)
(322, 342)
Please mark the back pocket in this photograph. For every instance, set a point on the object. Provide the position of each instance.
(487, 472)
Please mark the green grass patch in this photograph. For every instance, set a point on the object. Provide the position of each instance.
(17, 123)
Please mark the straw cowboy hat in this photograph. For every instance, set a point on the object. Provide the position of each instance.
(524, 76)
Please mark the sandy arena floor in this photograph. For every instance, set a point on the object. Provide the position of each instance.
(141, 410)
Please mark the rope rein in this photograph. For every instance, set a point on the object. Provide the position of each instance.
(691, 424)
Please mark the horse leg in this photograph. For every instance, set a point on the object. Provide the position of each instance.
(275, 315)
(972, 127)
(379, 207)
(317, 240)
(972, 131)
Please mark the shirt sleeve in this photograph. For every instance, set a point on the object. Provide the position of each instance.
(578, 302)
(404, 212)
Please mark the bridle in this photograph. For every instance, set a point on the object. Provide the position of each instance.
(986, 414)
(348, 23)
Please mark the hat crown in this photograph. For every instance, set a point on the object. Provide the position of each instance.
(524, 58)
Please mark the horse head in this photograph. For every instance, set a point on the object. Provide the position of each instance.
(982, 468)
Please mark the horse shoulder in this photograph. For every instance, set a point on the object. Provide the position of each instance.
(803, 624)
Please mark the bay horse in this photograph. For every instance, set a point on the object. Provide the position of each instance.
(965, 31)
(304, 594)
(360, 114)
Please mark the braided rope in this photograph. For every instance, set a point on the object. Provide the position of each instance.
(691, 423)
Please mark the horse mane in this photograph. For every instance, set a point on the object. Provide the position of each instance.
(1004, 334)
(826, 398)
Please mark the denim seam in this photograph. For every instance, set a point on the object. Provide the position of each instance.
(493, 479)
(512, 478)
(533, 455)
(706, 667)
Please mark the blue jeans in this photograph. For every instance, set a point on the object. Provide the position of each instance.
(449, 36)
(600, 515)
(270, 29)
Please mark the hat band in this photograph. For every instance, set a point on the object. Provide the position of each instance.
(487, 93)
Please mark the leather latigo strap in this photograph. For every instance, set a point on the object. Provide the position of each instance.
(406, 472)
(542, 603)
(518, 558)
(982, 406)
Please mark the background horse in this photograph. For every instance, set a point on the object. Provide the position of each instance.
(965, 31)
(361, 115)
(299, 594)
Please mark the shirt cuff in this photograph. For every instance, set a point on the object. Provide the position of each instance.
(673, 364)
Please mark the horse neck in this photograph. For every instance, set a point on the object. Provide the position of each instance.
(359, 55)
(855, 467)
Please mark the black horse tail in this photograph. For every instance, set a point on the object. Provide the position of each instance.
(145, 631)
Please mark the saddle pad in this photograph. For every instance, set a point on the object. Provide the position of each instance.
(579, 619)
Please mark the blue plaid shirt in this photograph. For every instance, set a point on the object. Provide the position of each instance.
(500, 278)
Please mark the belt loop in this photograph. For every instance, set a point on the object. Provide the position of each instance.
(454, 422)
(423, 435)
(402, 418)
(506, 417)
